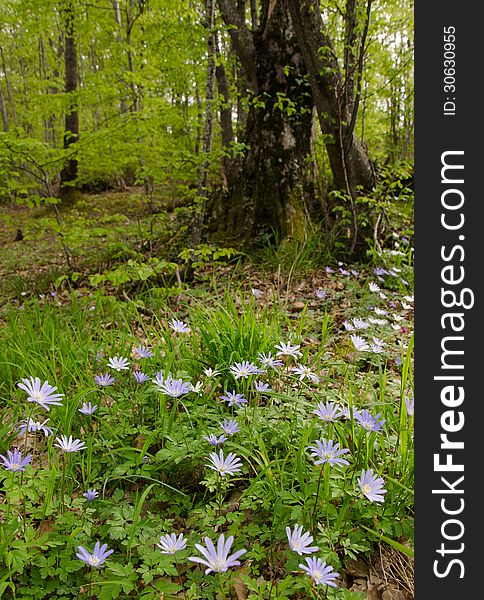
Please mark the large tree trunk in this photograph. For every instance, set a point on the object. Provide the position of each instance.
(267, 195)
(69, 172)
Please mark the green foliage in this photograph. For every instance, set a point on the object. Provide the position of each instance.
(147, 456)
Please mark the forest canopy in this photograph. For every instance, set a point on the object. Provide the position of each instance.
(259, 116)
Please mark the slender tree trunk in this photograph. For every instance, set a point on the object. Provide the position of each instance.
(227, 131)
(119, 39)
(8, 87)
(69, 173)
(208, 127)
(3, 110)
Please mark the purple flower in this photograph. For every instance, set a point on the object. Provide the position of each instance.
(159, 379)
(171, 544)
(328, 452)
(371, 486)
(230, 427)
(143, 352)
(217, 559)
(267, 360)
(379, 271)
(98, 556)
(244, 369)
(118, 363)
(409, 405)
(42, 394)
(321, 294)
(14, 461)
(88, 408)
(368, 421)
(213, 440)
(299, 542)
(90, 495)
(175, 387)
(329, 270)
(234, 398)
(328, 412)
(104, 379)
(140, 377)
(345, 412)
(31, 426)
(319, 572)
(225, 465)
(261, 386)
(69, 445)
(179, 326)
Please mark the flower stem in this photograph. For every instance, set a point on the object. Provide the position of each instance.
(313, 526)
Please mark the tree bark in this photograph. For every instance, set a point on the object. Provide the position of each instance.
(69, 173)
(349, 161)
(3, 110)
(336, 101)
(267, 196)
(196, 234)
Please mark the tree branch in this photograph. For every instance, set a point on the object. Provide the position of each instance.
(242, 40)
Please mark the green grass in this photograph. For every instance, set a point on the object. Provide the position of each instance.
(147, 457)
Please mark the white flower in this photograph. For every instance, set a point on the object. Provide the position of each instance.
(211, 372)
(304, 372)
(288, 350)
(373, 287)
(374, 321)
(359, 343)
(360, 324)
(197, 388)
(118, 363)
(244, 369)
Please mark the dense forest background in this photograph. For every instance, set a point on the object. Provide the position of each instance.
(259, 118)
(206, 299)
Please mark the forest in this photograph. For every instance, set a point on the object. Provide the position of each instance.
(206, 299)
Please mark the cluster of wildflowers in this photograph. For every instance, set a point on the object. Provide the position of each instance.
(316, 568)
(215, 558)
(215, 555)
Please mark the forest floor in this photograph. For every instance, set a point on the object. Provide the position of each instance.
(110, 245)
